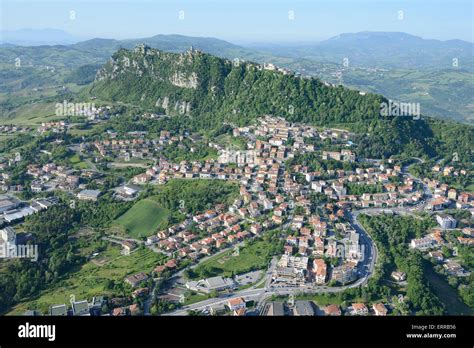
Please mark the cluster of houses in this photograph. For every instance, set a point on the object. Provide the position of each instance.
(307, 308)
(320, 249)
(277, 131)
(272, 206)
(272, 135)
(316, 237)
(100, 113)
(337, 188)
(431, 240)
(98, 306)
(448, 171)
(135, 145)
(184, 240)
(55, 127)
(431, 244)
(294, 268)
(208, 170)
(51, 176)
(263, 163)
(445, 197)
(11, 129)
(128, 148)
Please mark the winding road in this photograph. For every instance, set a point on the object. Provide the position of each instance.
(365, 268)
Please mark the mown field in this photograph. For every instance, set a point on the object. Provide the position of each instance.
(252, 257)
(30, 114)
(143, 219)
(77, 162)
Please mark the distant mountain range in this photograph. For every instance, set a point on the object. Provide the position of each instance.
(364, 49)
(99, 50)
(36, 37)
(387, 50)
(400, 66)
(214, 91)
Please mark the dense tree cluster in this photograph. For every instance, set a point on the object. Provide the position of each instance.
(51, 230)
(359, 189)
(391, 234)
(183, 152)
(193, 196)
(315, 164)
(23, 277)
(239, 93)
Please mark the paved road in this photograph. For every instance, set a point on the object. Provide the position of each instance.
(367, 265)
(365, 268)
(426, 190)
(149, 300)
(262, 294)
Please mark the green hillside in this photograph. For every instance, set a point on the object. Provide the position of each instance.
(215, 90)
(402, 73)
(143, 219)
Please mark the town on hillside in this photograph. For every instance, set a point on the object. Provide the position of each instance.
(289, 241)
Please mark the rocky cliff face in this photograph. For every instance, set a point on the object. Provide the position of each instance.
(219, 90)
(179, 79)
(202, 83)
(144, 59)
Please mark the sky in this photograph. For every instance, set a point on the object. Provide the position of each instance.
(242, 21)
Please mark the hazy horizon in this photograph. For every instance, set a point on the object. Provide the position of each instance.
(243, 21)
(250, 43)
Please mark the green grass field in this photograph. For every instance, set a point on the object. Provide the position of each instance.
(30, 114)
(226, 140)
(91, 279)
(255, 256)
(193, 297)
(143, 219)
(77, 162)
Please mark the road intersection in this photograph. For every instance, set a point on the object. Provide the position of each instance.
(366, 267)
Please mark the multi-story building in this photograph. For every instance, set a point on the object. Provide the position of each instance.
(320, 271)
(345, 273)
(446, 221)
